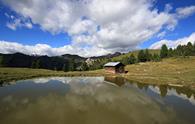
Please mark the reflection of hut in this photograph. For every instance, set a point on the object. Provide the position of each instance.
(116, 80)
(114, 67)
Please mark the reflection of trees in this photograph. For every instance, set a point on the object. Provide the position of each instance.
(141, 86)
(1, 83)
(180, 90)
(163, 90)
(184, 90)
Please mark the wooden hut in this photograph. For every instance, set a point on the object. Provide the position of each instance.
(114, 67)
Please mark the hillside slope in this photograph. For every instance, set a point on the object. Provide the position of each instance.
(168, 71)
(135, 53)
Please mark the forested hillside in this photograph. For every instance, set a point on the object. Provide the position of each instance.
(69, 62)
(65, 62)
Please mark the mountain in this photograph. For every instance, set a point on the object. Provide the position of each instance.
(107, 56)
(65, 62)
(73, 57)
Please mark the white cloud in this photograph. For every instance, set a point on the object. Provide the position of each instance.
(14, 22)
(44, 49)
(186, 11)
(174, 43)
(161, 34)
(106, 25)
(83, 26)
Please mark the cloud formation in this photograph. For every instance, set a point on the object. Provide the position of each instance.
(44, 49)
(106, 25)
(18, 22)
(186, 11)
(174, 43)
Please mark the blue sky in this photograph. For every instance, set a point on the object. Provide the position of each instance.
(58, 27)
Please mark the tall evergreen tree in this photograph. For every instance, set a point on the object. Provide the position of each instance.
(164, 51)
(193, 49)
(156, 57)
(141, 56)
(170, 52)
(189, 49)
(33, 65)
(179, 50)
(65, 67)
(132, 59)
(37, 65)
(148, 55)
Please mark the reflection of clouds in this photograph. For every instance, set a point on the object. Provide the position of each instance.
(46, 80)
(80, 85)
(155, 89)
(87, 85)
(107, 104)
(173, 92)
(68, 80)
(89, 100)
(40, 80)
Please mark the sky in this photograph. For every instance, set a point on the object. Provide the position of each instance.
(94, 27)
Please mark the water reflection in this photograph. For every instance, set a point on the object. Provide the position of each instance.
(163, 89)
(90, 100)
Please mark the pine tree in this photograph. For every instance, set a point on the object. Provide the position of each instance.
(156, 58)
(148, 55)
(132, 59)
(170, 52)
(193, 52)
(65, 68)
(37, 64)
(164, 51)
(141, 56)
(179, 50)
(189, 49)
(33, 65)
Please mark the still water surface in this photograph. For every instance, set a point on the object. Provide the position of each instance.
(94, 100)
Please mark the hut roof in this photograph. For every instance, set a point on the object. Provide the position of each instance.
(113, 64)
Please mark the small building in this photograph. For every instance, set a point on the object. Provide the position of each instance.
(114, 67)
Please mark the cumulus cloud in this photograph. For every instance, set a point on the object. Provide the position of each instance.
(44, 49)
(174, 43)
(106, 25)
(186, 11)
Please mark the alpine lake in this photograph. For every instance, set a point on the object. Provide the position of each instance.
(94, 100)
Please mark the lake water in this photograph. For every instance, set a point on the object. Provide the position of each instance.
(94, 100)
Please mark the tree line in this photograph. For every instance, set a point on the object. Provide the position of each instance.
(146, 55)
(179, 51)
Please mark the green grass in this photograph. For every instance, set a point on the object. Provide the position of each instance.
(180, 71)
(169, 71)
(13, 74)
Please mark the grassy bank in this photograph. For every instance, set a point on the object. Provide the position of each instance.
(13, 74)
(177, 71)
